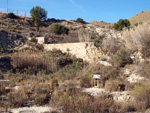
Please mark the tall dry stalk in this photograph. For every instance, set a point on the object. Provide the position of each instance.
(34, 60)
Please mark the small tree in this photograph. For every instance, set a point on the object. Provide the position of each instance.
(121, 24)
(38, 14)
(58, 29)
(80, 20)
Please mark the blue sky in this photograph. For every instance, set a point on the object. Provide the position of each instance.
(100, 10)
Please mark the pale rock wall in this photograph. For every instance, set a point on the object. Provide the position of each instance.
(41, 40)
(85, 50)
(109, 33)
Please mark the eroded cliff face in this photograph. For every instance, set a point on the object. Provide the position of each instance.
(85, 50)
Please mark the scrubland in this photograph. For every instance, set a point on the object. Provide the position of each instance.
(32, 76)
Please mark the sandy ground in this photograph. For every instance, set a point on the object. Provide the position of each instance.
(33, 109)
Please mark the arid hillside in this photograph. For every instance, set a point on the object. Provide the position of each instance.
(102, 24)
(66, 66)
(13, 29)
(141, 17)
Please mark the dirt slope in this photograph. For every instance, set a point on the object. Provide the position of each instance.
(141, 17)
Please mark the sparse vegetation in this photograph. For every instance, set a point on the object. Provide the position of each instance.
(86, 35)
(57, 79)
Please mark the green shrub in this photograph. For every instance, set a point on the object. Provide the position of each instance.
(121, 24)
(98, 40)
(58, 29)
(33, 39)
(121, 58)
(80, 20)
(11, 15)
(136, 24)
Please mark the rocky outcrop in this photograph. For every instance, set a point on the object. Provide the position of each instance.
(109, 33)
(134, 78)
(122, 96)
(34, 109)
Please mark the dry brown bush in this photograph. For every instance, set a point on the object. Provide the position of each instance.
(2, 89)
(85, 81)
(114, 85)
(85, 35)
(35, 61)
(110, 45)
(139, 38)
(18, 98)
